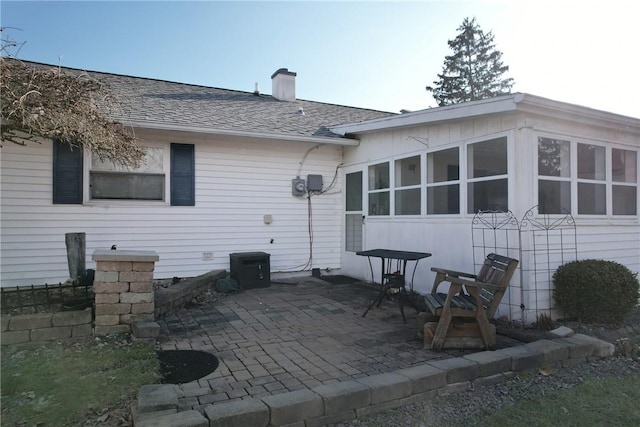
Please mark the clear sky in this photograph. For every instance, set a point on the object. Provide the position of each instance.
(378, 55)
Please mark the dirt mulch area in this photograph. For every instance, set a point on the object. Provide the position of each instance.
(183, 366)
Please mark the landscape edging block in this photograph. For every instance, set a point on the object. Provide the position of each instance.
(343, 396)
(458, 369)
(578, 347)
(523, 358)
(239, 413)
(424, 377)
(294, 406)
(387, 387)
(490, 362)
(600, 348)
(333, 419)
(157, 397)
(552, 350)
(190, 418)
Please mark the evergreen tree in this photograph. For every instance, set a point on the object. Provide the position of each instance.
(475, 69)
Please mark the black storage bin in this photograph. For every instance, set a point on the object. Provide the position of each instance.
(251, 269)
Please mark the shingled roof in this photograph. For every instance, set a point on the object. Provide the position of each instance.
(159, 103)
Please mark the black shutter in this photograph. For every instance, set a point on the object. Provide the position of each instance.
(183, 175)
(67, 173)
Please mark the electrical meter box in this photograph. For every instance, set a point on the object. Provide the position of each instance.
(251, 269)
(298, 187)
(314, 182)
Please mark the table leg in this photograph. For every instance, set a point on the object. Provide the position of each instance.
(378, 300)
(403, 290)
(383, 285)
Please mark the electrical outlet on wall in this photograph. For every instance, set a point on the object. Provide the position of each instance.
(207, 256)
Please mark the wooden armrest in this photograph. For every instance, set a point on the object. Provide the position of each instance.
(453, 272)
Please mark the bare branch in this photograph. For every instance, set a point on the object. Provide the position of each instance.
(54, 104)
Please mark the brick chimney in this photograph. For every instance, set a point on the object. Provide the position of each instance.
(283, 85)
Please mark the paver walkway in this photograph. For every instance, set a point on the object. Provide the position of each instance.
(292, 336)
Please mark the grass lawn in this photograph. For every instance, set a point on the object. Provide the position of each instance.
(609, 402)
(68, 383)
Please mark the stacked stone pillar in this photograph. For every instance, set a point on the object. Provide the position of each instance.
(123, 289)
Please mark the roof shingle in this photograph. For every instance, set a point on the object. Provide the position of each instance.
(150, 101)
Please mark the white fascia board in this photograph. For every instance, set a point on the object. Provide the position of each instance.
(549, 107)
(349, 142)
(451, 112)
(520, 102)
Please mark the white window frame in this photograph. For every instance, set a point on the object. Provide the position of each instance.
(593, 181)
(166, 170)
(459, 182)
(464, 170)
(613, 183)
(387, 190)
(396, 188)
(574, 180)
(569, 179)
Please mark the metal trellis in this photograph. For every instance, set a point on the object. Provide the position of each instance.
(551, 242)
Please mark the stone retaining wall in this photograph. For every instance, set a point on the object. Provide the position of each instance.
(123, 295)
(177, 295)
(123, 289)
(343, 401)
(46, 326)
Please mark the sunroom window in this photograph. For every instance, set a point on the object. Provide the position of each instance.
(407, 186)
(592, 189)
(554, 171)
(110, 181)
(624, 166)
(487, 187)
(595, 171)
(379, 189)
(443, 182)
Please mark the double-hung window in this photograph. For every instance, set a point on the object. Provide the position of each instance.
(443, 182)
(407, 186)
(624, 167)
(487, 181)
(554, 171)
(379, 189)
(592, 188)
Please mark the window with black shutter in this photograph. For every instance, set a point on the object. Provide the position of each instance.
(67, 173)
(182, 175)
(111, 181)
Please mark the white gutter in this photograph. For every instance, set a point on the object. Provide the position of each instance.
(521, 102)
(348, 142)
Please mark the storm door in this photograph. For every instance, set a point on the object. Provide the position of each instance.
(353, 232)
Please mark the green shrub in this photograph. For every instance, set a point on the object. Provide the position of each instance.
(596, 291)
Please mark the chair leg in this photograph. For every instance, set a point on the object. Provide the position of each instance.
(488, 336)
(441, 331)
(485, 329)
(445, 318)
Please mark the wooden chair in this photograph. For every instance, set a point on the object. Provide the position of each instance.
(464, 312)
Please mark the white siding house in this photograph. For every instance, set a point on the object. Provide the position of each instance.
(246, 148)
(218, 180)
(425, 175)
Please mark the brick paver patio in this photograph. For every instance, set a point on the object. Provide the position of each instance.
(293, 335)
